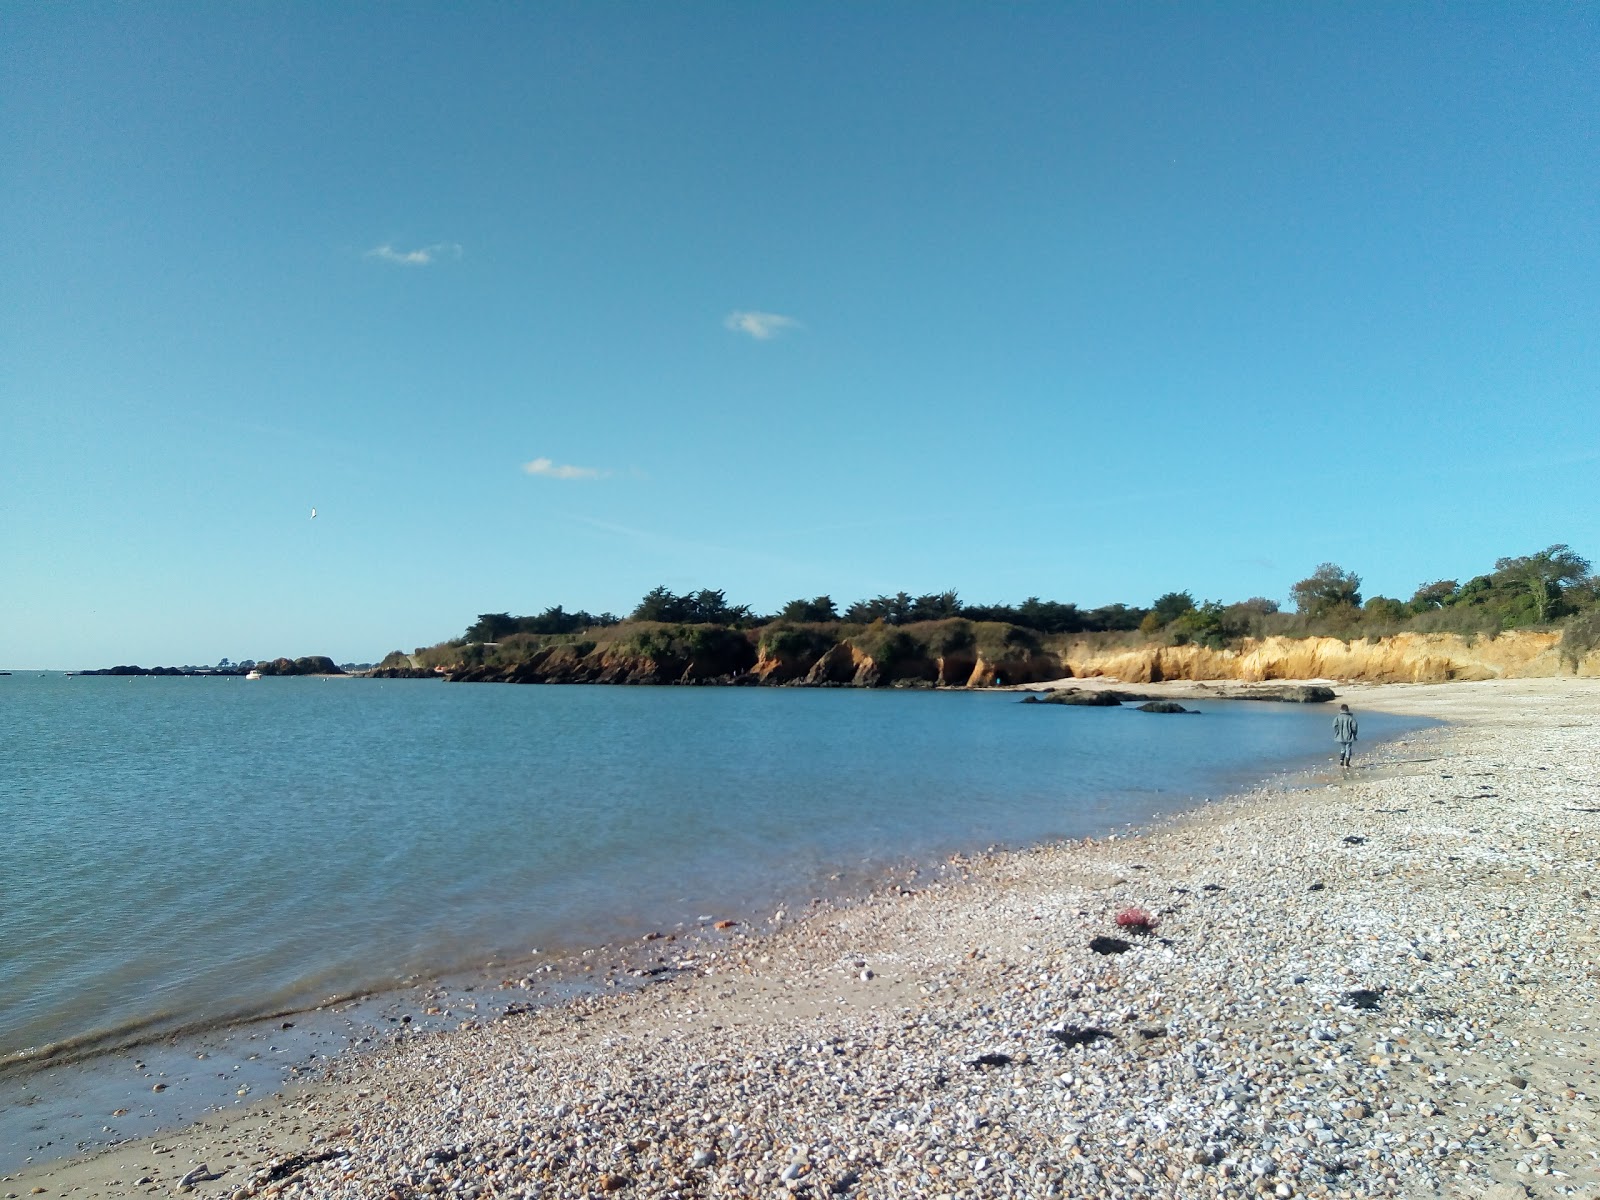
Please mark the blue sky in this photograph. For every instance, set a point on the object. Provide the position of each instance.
(1088, 302)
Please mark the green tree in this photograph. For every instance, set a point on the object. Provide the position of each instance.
(891, 610)
(706, 607)
(1541, 576)
(1330, 586)
(1049, 616)
(936, 606)
(1173, 605)
(818, 608)
(1383, 608)
(491, 627)
(1205, 625)
(1113, 618)
(1433, 595)
(659, 604)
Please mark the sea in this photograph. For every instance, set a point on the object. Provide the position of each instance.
(185, 854)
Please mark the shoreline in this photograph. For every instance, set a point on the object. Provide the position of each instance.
(360, 1011)
(898, 977)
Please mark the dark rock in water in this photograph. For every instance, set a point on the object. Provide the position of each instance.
(992, 1060)
(1086, 699)
(1110, 945)
(1166, 706)
(1363, 998)
(1295, 693)
(1073, 1035)
(1030, 698)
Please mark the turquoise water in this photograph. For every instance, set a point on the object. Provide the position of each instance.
(182, 851)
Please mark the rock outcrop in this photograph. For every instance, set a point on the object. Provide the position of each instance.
(312, 664)
(951, 654)
(710, 659)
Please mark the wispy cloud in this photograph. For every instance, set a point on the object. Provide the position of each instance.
(763, 326)
(424, 256)
(550, 469)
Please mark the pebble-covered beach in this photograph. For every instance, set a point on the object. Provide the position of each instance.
(1375, 984)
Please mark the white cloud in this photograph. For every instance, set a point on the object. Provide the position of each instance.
(763, 326)
(550, 469)
(424, 257)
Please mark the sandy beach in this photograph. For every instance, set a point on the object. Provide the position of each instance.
(1380, 983)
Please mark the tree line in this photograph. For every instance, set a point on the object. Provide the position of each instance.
(1533, 589)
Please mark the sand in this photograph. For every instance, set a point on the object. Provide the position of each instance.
(1375, 983)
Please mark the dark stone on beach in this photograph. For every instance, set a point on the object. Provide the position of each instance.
(1353, 839)
(1363, 998)
(995, 1059)
(294, 1164)
(1151, 1032)
(1212, 887)
(1316, 887)
(1073, 1035)
(1110, 945)
(1166, 706)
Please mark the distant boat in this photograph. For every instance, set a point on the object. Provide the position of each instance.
(253, 675)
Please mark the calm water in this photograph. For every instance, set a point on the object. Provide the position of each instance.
(186, 850)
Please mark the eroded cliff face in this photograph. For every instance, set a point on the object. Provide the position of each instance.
(1401, 658)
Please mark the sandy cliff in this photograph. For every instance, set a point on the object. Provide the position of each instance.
(1401, 658)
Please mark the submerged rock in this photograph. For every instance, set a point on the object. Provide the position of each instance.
(1166, 706)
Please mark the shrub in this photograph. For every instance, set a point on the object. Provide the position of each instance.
(789, 641)
(952, 636)
(1580, 637)
(885, 645)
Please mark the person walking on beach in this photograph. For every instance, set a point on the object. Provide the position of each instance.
(1344, 732)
